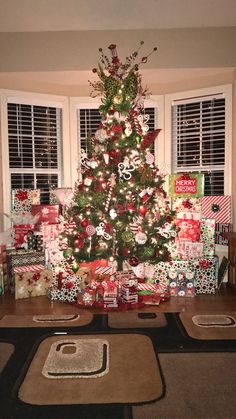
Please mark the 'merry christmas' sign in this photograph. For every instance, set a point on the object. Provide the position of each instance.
(186, 185)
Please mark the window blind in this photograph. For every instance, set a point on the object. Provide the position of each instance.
(34, 141)
(198, 139)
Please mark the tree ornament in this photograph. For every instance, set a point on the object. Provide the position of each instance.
(150, 158)
(134, 261)
(101, 135)
(125, 169)
(68, 252)
(75, 267)
(90, 230)
(127, 236)
(143, 210)
(100, 230)
(141, 238)
(84, 223)
(148, 251)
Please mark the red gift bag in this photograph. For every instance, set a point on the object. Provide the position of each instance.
(189, 226)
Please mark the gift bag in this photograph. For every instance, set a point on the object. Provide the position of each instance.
(189, 226)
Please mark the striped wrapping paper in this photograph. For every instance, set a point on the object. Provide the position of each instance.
(104, 270)
(217, 207)
(28, 268)
(147, 287)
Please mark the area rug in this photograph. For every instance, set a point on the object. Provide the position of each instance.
(6, 351)
(197, 386)
(47, 320)
(217, 326)
(131, 375)
(128, 320)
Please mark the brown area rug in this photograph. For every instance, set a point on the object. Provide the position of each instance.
(123, 320)
(47, 320)
(210, 326)
(133, 375)
(198, 386)
(6, 350)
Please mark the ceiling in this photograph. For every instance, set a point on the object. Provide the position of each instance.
(77, 15)
(89, 15)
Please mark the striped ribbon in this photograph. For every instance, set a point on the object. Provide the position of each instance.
(28, 268)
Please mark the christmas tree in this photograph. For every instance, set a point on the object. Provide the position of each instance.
(120, 209)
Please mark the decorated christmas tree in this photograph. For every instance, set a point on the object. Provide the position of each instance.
(120, 210)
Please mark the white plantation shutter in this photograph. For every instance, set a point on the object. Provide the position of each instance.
(34, 143)
(198, 139)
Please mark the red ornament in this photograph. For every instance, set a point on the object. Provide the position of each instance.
(84, 223)
(142, 210)
(130, 207)
(125, 251)
(134, 261)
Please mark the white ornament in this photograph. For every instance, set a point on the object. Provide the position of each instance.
(143, 119)
(113, 213)
(141, 238)
(166, 231)
(128, 129)
(125, 169)
(101, 231)
(101, 135)
(150, 158)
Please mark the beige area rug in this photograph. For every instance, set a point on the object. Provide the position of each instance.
(47, 320)
(210, 326)
(198, 386)
(6, 351)
(132, 375)
(119, 320)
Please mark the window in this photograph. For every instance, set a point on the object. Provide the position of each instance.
(200, 139)
(34, 141)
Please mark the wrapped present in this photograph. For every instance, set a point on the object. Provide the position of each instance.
(64, 287)
(207, 236)
(181, 281)
(20, 232)
(25, 258)
(32, 282)
(222, 228)
(46, 213)
(217, 207)
(189, 225)
(186, 204)
(86, 297)
(206, 275)
(23, 199)
(49, 231)
(188, 250)
(99, 263)
(186, 185)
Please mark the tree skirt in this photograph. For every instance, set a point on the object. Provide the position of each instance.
(210, 326)
(47, 320)
(131, 371)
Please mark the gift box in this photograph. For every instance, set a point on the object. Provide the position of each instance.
(207, 236)
(49, 232)
(25, 258)
(186, 204)
(181, 282)
(189, 225)
(222, 228)
(99, 263)
(206, 275)
(23, 199)
(64, 287)
(31, 281)
(188, 250)
(217, 207)
(46, 213)
(20, 233)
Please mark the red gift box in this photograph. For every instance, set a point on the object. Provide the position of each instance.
(46, 213)
(20, 232)
(94, 265)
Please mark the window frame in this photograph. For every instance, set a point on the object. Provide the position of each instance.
(40, 99)
(226, 90)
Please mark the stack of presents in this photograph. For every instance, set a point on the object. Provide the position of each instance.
(25, 269)
(36, 266)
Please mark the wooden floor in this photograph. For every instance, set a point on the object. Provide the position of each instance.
(223, 301)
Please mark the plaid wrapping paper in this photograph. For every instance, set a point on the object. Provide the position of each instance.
(217, 207)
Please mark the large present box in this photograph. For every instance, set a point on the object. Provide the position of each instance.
(31, 281)
(189, 226)
(222, 228)
(206, 275)
(49, 231)
(189, 250)
(23, 199)
(46, 213)
(25, 258)
(217, 207)
(181, 281)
